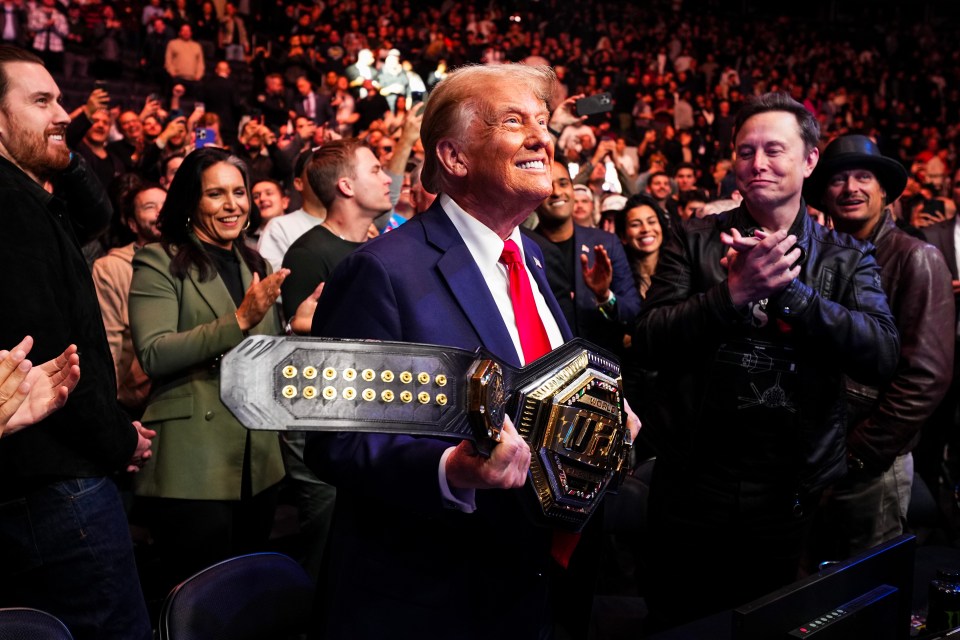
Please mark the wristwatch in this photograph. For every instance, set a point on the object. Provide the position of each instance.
(607, 306)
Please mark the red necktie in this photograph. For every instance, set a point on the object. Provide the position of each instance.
(534, 343)
(533, 337)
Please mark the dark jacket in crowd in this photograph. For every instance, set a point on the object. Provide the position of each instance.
(760, 395)
(50, 296)
(885, 422)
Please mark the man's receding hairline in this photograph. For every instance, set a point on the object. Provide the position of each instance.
(9, 77)
(796, 122)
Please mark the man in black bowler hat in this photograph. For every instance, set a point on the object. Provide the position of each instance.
(853, 185)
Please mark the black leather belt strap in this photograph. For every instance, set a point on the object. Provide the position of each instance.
(568, 405)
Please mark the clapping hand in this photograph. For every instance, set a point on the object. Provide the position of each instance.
(259, 299)
(759, 266)
(28, 394)
(600, 275)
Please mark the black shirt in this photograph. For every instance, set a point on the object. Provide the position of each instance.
(227, 264)
(559, 258)
(311, 259)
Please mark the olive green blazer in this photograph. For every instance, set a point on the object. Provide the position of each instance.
(180, 330)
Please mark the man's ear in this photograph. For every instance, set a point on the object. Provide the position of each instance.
(810, 163)
(345, 186)
(451, 157)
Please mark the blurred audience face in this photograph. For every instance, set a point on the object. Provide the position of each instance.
(270, 200)
(385, 147)
(274, 84)
(558, 207)
(599, 173)
(659, 187)
(692, 209)
(152, 126)
(146, 209)
(97, 133)
(306, 128)
(583, 207)
(686, 179)
(303, 86)
(170, 170)
(130, 126)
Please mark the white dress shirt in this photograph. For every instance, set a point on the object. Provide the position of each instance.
(486, 247)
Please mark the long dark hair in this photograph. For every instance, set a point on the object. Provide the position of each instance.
(176, 216)
(636, 200)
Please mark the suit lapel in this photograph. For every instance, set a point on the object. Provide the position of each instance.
(952, 255)
(582, 247)
(941, 236)
(534, 261)
(467, 285)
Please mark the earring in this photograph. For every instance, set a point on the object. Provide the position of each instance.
(189, 220)
(246, 226)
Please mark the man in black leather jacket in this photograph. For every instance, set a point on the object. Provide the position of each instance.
(852, 184)
(753, 317)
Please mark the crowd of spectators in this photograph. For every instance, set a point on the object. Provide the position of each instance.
(272, 81)
(677, 73)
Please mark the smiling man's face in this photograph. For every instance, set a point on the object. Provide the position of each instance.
(558, 206)
(32, 122)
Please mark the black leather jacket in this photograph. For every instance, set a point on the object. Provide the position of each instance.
(761, 403)
(885, 422)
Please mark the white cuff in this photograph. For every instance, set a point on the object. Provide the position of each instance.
(459, 499)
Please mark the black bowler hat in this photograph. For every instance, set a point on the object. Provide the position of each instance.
(854, 151)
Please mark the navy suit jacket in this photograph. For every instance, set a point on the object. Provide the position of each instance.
(940, 235)
(587, 322)
(394, 549)
(325, 113)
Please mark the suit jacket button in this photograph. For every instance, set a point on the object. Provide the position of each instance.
(208, 416)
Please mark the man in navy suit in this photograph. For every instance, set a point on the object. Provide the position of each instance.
(310, 104)
(941, 429)
(586, 268)
(429, 540)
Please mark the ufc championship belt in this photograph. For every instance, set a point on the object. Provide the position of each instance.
(567, 405)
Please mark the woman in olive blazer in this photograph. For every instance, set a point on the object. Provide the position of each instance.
(210, 490)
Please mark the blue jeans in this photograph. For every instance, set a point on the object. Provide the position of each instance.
(66, 549)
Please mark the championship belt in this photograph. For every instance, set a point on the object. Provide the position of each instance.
(567, 405)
